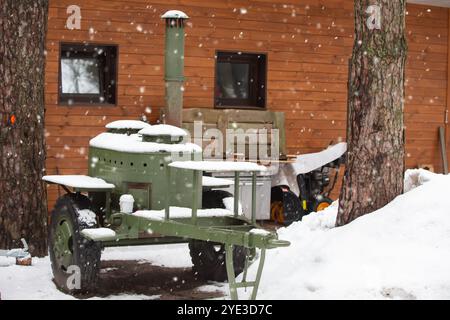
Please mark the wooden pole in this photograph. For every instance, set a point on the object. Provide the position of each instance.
(443, 150)
(447, 129)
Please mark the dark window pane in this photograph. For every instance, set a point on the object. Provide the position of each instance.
(240, 80)
(87, 74)
(233, 80)
(80, 76)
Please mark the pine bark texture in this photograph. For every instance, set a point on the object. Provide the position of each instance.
(375, 132)
(23, 204)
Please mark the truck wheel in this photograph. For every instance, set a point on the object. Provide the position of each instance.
(209, 260)
(207, 257)
(75, 260)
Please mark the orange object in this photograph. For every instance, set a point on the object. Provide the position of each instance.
(12, 119)
(276, 212)
(322, 206)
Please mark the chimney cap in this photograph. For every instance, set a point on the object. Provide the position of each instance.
(174, 14)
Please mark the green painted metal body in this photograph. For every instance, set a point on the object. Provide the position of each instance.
(143, 175)
(174, 71)
(174, 50)
(156, 186)
(234, 231)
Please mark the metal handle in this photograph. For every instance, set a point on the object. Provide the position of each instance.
(276, 243)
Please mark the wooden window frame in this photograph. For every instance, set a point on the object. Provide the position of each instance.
(258, 70)
(109, 59)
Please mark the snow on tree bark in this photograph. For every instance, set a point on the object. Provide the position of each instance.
(23, 208)
(375, 131)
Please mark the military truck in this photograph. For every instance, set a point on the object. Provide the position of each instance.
(146, 185)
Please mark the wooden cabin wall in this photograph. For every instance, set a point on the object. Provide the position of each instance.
(308, 44)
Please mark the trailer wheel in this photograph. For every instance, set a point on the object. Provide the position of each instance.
(75, 260)
(209, 260)
(207, 257)
(213, 199)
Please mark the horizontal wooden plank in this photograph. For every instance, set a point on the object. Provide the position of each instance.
(308, 44)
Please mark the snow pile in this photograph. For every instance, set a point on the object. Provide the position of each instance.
(322, 220)
(417, 177)
(87, 217)
(228, 202)
(398, 252)
(35, 282)
(166, 255)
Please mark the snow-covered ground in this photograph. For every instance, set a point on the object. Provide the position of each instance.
(398, 252)
(35, 282)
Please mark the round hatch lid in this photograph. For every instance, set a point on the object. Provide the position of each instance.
(163, 133)
(126, 126)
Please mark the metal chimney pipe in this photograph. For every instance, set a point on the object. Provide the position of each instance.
(174, 66)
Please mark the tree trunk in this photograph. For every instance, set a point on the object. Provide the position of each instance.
(23, 201)
(375, 132)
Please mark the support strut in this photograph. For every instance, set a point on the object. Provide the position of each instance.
(244, 283)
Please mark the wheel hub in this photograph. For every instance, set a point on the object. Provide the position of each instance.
(63, 244)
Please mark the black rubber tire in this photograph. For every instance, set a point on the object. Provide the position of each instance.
(292, 206)
(85, 253)
(214, 199)
(209, 260)
(207, 257)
